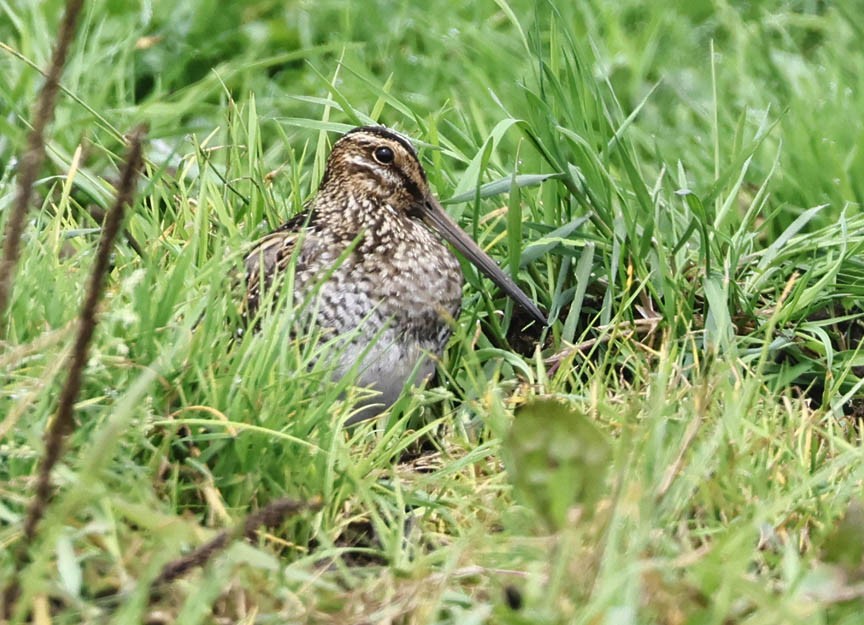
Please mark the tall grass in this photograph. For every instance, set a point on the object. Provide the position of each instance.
(677, 187)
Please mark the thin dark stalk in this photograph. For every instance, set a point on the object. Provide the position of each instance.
(63, 423)
(270, 516)
(31, 160)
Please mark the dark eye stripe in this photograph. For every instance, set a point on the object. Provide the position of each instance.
(412, 187)
(381, 131)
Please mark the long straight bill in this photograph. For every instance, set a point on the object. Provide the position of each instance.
(440, 221)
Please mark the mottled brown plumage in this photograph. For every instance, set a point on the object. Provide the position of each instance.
(386, 282)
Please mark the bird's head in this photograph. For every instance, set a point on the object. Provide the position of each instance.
(380, 169)
(380, 165)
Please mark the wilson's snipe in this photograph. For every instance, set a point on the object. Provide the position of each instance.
(369, 235)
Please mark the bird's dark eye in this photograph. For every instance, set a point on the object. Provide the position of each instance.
(384, 155)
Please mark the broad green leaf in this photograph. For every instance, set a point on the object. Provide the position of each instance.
(557, 460)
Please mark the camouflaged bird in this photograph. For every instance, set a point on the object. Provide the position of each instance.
(369, 242)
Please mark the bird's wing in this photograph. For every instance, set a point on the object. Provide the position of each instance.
(268, 259)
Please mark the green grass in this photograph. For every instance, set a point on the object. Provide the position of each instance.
(679, 187)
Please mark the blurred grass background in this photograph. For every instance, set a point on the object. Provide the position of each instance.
(679, 186)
